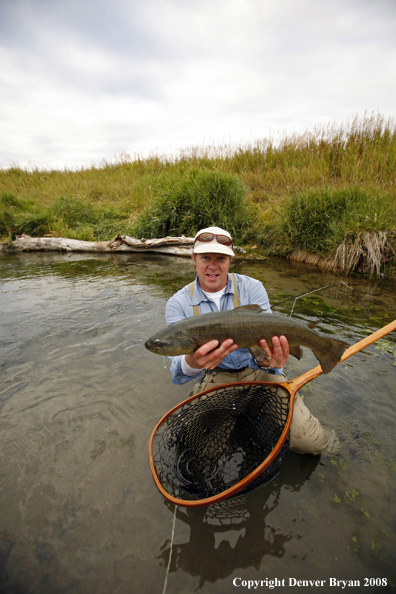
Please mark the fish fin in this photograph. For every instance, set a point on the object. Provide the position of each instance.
(257, 308)
(296, 351)
(331, 354)
(257, 352)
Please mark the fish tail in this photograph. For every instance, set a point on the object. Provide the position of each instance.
(330, 353)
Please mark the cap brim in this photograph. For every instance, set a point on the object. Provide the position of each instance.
(212, 247)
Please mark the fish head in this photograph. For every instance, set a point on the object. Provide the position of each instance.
(171, 342)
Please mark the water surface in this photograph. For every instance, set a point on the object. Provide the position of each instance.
(79, 396)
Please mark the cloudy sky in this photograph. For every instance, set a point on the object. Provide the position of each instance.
(87, 81)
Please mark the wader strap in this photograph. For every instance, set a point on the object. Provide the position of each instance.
(195, 307)
(236, 297)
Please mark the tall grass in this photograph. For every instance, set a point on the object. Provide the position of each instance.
(66, 217)
(319, 220)
(200, 198)
(329, 187)
(354, 226)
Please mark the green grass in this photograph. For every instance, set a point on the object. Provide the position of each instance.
(319, 220)
(184, 204)
(330, 191)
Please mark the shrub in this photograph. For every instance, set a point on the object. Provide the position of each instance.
(319, 220)
(310, 215)
(200, 198)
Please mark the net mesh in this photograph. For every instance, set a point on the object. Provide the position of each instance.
(213, 442)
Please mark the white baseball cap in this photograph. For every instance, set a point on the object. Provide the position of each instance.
(213, 245)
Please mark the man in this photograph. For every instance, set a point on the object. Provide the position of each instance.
(215, 289)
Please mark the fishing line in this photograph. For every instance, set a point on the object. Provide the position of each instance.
(309, 293)
(170, 551)
(299, 296)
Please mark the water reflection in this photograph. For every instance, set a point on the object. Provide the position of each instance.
(236, 533)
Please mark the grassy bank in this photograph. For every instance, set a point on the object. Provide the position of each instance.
(330, 191)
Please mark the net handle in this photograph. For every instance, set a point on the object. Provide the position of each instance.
(292, 386)
(300, 381)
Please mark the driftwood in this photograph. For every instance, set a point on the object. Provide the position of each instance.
(175, 246)
(178, 246)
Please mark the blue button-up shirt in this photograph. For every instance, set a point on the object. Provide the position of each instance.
(180, 306)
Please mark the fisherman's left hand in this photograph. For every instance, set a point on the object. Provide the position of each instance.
(278, 355)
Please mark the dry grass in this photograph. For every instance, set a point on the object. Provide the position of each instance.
(369, 253)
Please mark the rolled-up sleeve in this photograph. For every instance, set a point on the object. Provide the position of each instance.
(178, 308)
(178, 377)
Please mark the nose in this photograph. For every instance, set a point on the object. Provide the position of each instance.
(213, 265)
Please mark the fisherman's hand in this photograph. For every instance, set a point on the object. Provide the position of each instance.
(210, 355)
(278, 356)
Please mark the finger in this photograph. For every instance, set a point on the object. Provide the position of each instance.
(277, 352)
(209, 355)
(268, 353)
(280, 352)
(197, 359)
(285, 347)
(226, 347)
(214, 358)
(206, 348)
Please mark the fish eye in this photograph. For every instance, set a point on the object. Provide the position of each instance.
(159, 343)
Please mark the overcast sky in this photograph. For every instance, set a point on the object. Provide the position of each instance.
(85, 81)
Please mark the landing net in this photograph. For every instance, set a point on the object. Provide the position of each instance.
(214, 441)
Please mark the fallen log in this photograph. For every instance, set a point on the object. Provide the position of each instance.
(176, 246)
(179, 246)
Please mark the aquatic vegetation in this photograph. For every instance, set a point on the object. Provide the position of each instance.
(351, 495)
(376, 549)
(339, 463)
(391, 464)
(114, 444)
(354, 545)
(385, 346)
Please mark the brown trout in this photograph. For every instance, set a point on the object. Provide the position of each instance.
(246, 325)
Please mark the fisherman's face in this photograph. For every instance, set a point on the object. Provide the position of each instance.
(212, 271)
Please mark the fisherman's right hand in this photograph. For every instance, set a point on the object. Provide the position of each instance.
(210, 354)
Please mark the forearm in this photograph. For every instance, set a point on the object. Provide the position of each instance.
(180, 374)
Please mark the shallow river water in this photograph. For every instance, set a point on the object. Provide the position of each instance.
(79, 396)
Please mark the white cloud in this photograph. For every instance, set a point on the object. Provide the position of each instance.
(83, 82)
